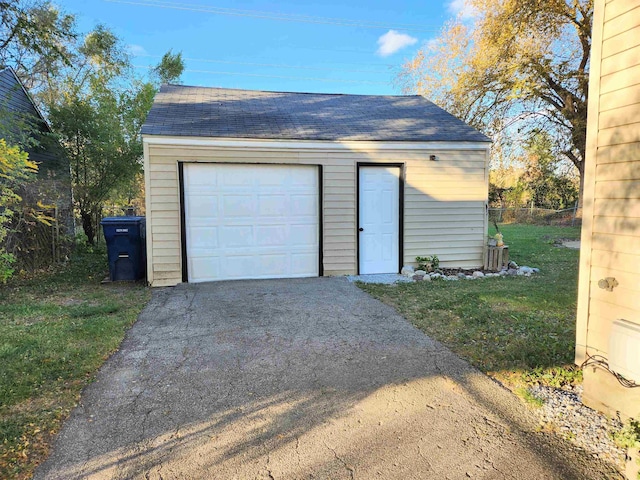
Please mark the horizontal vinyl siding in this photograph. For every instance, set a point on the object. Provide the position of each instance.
(619, 153)
(620, 42)
(615, 215)
(615, 8)
(165, 222)
(630, 207)
(619, 98)
(445, 209)
(620, 18)
(611, 217)
(621, 61)
(444, 202)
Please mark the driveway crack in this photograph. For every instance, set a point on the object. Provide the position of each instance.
(269, 473)
(348, 467)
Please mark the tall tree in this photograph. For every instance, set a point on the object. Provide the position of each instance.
(517, 68)
(542, 178)
(15, 170)
(36, 39)
(98, 111)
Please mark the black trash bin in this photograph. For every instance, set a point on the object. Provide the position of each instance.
(126, 247)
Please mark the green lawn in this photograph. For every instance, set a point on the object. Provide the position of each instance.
(518, 329)
(56, 330)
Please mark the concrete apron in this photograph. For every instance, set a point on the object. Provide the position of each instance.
(308, 378)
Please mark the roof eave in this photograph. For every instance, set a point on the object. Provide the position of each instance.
(278, 143)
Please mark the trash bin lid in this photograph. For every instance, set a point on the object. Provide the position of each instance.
(121, 220)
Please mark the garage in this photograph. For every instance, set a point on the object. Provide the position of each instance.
(250, 221)
(247, 184)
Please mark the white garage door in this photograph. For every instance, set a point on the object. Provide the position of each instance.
(251, 221)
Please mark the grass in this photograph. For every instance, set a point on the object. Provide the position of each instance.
(56, 330)
(520, 330)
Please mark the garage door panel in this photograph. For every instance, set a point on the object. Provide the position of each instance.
(235, 175)
(202, 268)
(236, 266)
(273, 265)
(236, 236)
(300, 262)
(273, 205)
(238, 206)
(203, 206)
(302, 204)
(197, 179)
(304, 235)
(305, 182)
(271, 177)
(203, 237)
(251, 221)
(272, 235)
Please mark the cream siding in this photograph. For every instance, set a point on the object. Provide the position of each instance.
(444, 200)
(611, 218)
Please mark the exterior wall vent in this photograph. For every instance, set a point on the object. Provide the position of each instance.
(624, 349)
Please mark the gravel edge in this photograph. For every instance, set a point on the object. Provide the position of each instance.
(563, 412)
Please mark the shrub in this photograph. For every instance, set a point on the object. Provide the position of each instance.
(428, 264)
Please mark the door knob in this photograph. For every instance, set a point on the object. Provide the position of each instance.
(361, 229)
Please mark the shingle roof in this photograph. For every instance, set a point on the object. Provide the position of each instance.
(219, 112)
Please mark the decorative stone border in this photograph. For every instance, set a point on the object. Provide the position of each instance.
(512, 270)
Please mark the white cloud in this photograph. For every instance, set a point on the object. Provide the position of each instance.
(431, 44)
(462, 9)
(392, 41)
(136, 50)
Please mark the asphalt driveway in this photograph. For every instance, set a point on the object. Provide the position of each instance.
(285, 379)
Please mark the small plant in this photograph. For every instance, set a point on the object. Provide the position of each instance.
(6, 262)
(629, 438)
(428, 264)
(529, 397)
(556, 377)
(629, 435)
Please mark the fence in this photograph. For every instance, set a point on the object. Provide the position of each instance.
(36, 244)
(536, 216)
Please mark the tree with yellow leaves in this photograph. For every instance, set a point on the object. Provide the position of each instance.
(516, 68)
(15, 170)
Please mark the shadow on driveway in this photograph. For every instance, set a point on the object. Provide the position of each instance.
(307, 378)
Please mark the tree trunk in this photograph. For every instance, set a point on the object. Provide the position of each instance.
(581, 190)
(88, 227)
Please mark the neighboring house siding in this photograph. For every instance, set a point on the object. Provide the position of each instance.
(611, 224)
(21, 124)
(444, 209)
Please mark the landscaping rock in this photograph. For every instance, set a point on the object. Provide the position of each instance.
(526, 270)
(478, 274)
(535, 270)
(407, 271)
(461, 275)
(469, 277)
(580, 424)
(435, 276)
(426, 278)
(512, 272)
(418, 278)
(452, 278)
(420, 272)
(513, 264)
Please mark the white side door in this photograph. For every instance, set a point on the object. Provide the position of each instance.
(379, 219)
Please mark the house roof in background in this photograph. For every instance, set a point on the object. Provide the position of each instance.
(180, 110)
(15, 97)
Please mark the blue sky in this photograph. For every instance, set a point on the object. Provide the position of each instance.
(329, 46)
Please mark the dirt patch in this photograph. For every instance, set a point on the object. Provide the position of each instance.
(574, 244)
